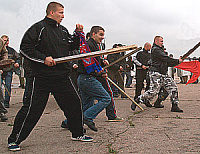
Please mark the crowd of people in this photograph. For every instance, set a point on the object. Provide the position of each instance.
(82, 81)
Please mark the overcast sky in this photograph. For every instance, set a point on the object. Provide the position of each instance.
(125, 21)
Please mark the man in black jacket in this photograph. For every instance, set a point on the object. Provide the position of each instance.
(141, 71)
(41, 43)
(95, 44)
(159, 77)
(114, 71)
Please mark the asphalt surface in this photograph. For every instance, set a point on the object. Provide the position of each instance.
(152, 131)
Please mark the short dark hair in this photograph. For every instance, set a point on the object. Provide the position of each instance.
(52, 6)
(96, 29)
(115, 45)
(156, 37)
(88, 35)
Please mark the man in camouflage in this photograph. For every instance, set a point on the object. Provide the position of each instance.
(159, 77)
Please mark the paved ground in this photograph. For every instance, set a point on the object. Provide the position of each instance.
(153, 131)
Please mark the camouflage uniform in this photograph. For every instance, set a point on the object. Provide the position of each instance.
(157, 81)
(159, 78)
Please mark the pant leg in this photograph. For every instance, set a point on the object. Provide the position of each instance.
(111, 75)
(28, 89)
(2, 107)
(129, 79)
(139, 82)
(171, 87)
(93, 88)
(88, 100)
(110, 109)
(120, 81)
(8, 81)
(147, 78)
(163, 94)
(156, 81)
(29, 114)
(69, 101)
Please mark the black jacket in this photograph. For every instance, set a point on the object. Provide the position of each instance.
(160, 61)
(131, 66)
(113, 57)
(143, 57)
(48, 38)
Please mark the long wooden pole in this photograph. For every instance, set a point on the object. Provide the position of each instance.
(123, 57)
(124, 93)
(190, 51)
(95, 54)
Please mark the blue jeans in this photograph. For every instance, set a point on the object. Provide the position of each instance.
(8, 81)
(91, 89)
(129, 79)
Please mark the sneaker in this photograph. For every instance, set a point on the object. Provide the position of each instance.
(91, 125)
(64, 125)
(83, 138)
(117, 119)
(13, 147)
(3, 117)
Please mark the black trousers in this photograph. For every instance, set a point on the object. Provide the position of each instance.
(65, 95)
(28, 90)
(141, 75)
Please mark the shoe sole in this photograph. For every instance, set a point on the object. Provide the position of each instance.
(115, 120)
(74, 139)
(177, 111)
(17, 149)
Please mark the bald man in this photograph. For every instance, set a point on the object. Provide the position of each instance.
(141, 71)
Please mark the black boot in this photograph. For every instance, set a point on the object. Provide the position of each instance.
(90, 124)
(133, 106)
(175, 108)
(158, 104)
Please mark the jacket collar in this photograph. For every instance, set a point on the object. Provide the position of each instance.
(145, 50)
(51, 21)
(154, 45)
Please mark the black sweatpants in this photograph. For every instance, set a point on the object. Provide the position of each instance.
(65, 95)
(141, 75)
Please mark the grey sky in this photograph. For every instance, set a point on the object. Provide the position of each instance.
(125, 21)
